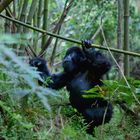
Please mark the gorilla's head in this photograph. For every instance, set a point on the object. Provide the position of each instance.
(73, 59)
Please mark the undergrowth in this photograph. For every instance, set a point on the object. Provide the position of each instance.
(61, 123)
(28, 111)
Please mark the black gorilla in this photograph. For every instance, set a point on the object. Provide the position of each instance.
(83, 69)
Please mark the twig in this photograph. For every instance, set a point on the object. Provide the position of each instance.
(57, 27)
(127, 83)
(127, 110)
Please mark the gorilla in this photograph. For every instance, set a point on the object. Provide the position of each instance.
(83, 70)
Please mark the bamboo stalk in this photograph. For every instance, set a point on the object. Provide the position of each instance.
(7, 24)
(120, 34)
(19, 7)
(56, 41)
(58, 25)
(35, 40)
(126, 36)
(39, 12)
(23, 15)
(69, 39)
(45, 20)
(31, 13)
(14, 8)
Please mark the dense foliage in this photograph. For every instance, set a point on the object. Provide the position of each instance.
(30, 111)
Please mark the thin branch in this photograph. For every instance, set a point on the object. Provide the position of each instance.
(126, 81)
(58, 25)
(4, 4)
(97, 32)
(127, 109)
(69, 39)
(54, 50)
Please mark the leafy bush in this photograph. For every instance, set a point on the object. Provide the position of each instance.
(18, 89)
(23, 116)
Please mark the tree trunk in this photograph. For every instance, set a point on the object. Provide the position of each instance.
(120, 33)
(126, 36)
(45, 21)
(39, 12)
(23, 15)
(31, 13)
(35, 40)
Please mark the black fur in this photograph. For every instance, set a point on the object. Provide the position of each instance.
(83, 69)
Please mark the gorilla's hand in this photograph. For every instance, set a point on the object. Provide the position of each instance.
(86, 44)
(89, 52)
(37, 62)
(41, 66)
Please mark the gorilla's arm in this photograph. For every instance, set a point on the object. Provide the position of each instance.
(55, 81)
(96, 61)
(99, 63)
(59, 80)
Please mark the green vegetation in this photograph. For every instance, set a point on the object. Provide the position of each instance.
(26, 113)
(30, 111)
